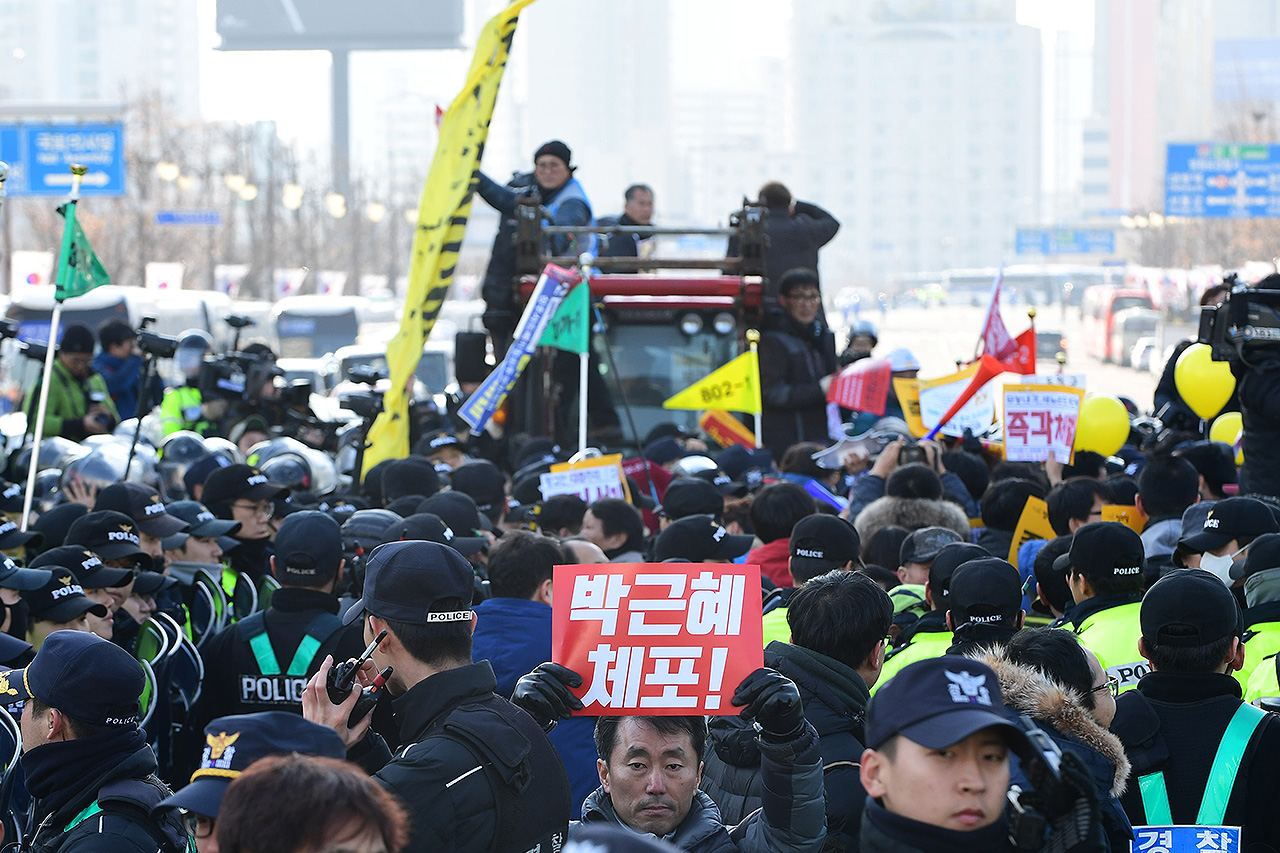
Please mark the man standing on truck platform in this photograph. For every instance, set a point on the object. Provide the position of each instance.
(565, 203)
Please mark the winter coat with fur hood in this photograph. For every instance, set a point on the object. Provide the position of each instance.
(1063, 716)
(913, 514)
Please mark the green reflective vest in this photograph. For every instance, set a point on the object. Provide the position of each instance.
(925, 645)
(1263, 680)
(181, 409)
(776, 626)
(1112, 635)
(1264, 644)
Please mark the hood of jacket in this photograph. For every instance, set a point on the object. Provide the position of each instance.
(1033, 693)
(699, 826)
(912, 513)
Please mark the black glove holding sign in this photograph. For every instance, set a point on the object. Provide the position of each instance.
(773, 701)
(545, 695)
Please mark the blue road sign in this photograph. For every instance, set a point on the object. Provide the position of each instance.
(189, 217)
(40, 156)
(1066, 241)
(1222, 181)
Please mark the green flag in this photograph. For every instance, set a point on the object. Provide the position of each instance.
(79, 269)
(570, 326)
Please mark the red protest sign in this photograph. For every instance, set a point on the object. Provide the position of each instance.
(657, 638)
(862, 386)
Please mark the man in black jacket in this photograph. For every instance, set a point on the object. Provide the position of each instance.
(477, 773)
(637, 212)
(263, 662)
(796, 231)
(87, 764)
(797, 360)
(1200, 754)
(838, 624)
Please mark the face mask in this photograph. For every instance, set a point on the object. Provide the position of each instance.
(1220, 567)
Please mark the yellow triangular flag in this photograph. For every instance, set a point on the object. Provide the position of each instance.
(734, 388)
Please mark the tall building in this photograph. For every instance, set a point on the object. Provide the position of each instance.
(918, 126)
(58, 51)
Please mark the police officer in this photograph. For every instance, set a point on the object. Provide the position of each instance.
(1105, 575)
(231, 744)
(59, 605)
(1200, 754)
(1261, 573)
(87, 765)
(243, 493)
(984, 605)
(263, 661)
(478, 773)
(936, 768)
(101, 584)
(183, 407)
(930, 636)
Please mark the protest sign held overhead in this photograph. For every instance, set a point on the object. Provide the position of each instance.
(1040, 420)
(657, 638)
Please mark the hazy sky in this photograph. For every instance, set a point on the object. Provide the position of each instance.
(293, 88)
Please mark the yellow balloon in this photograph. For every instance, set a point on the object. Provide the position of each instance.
(1205, 384)
(1227, 428)
(1103, 425)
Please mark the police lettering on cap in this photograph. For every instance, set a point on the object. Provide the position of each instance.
(88, 568)
(987, 591)
(939, 702)
(83, 676)
(411, 581)
(1107, 549)
(141, 503)
(308, 548)
(201, 522)
(1188, 608)
(922, 545)
(238, 481)
(61, 599)
(110, 535)
(12, 536)
(820, 543)
(10, 496)
(697, 538)
(1232, 518)
(232, 743)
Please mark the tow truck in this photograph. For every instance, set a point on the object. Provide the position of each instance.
(659, 324)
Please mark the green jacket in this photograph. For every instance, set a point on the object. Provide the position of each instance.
(68, 403)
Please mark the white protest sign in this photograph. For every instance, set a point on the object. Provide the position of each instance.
(1070, 380)
(590, 484)
(977, 415)
(1038, 420)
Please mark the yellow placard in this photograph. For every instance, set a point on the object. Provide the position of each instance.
(1032, 524)
(1130, 516)
(735, 387)
(908, 391)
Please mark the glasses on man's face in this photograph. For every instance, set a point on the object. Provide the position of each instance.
(805, 297)
(198, 825)
(261, 509)
(1111, 685)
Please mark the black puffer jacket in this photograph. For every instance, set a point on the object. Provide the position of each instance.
(792, 360)
(790, 816)
(835, 701)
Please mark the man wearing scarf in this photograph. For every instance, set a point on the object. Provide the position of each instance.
(88, 766)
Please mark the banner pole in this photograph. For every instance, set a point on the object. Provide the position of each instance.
(77, 172)
(753, 340)
(584, 265)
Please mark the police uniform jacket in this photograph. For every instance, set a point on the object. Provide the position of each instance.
(1173, 722)
(235, 684)
(1108, 627)
(476, 773)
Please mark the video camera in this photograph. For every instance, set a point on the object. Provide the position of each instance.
(1245, 328)
(366, 404)
(236, 376)
(153, 343)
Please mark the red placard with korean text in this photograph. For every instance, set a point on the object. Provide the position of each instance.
(657, 638)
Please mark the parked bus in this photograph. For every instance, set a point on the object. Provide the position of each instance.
(1098, 311)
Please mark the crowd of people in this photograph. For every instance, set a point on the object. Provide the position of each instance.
(217, 659)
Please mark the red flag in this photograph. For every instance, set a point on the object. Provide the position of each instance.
(989, 368)
(862, 386)
(996, 339)
(1024, 359)
(439, 116)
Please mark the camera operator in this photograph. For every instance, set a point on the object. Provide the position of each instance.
(120, 364)
(79, 402)
(183, 406)
(1256, 366)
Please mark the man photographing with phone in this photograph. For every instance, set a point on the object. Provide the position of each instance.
(475, 772)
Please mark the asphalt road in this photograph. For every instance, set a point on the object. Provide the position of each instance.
(938, 336)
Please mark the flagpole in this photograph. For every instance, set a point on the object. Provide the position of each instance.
(584, 263)
(77, 172)
(753, 339)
